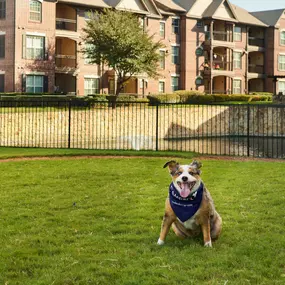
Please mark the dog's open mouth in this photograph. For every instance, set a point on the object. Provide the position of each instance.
(186, 188)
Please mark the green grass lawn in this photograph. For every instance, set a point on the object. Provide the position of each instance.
(96, 221)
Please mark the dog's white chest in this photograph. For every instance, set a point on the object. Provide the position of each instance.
(191, 223)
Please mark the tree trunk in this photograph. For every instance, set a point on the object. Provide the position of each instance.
(118, 90)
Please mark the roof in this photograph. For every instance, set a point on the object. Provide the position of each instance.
(212, 8)
(90, 3)
(169, 5)
(271, 17)
(243, 16)
(186, 4)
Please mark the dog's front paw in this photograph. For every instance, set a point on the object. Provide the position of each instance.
(160, 242)
(208, 244)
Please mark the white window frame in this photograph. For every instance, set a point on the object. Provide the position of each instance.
(161, 83)
(162, 30)
(162, 53)
(281, 88)
(34, 85)
(86, 58)
(281, 62)
(174, 87)
(237, 86)
(175, 54)
(175, 25)
(237, 35)
(36, 52)
(35, 12)
(282, 38)
(237, 60)
(89, 90)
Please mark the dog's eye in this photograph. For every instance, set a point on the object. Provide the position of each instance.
(179, 173)
(191, 173)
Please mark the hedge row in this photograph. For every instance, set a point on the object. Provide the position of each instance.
(205, 99)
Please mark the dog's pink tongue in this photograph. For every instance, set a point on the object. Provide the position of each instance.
(185, 190)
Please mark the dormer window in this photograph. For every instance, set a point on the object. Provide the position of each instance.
(35, 11)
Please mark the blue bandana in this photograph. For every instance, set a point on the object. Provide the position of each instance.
(185, 208)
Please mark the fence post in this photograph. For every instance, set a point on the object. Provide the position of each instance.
(156, 129)
(69, 122)
(248, 122)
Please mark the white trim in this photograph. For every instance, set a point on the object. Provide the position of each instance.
(281, 53)
(237, 78)
(281, 79)
(91, 76)
(175, 45)
(175, 75)
(2, 72)
(2, 33)
(35, 73)
(35, 34)
(175, 17)
(162, 49)
(161, 80)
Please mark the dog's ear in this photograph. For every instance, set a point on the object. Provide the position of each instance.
(172, 166)
(197, 164)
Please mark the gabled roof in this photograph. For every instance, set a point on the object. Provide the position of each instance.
(214, 6)
(135, 6)
(89, 3)
(243, 16)
(169, 5)
(271, 17)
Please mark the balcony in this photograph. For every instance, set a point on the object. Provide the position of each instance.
(66, 18)
(66, 55)
(254, 68)
(253, 41)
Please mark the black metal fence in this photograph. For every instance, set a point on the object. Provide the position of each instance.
(238, 130)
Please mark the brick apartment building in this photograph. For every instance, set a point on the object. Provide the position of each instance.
(210, 45)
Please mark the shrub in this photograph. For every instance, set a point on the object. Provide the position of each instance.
(188, 92)
(261, 93)
(163, 98)
(196, 99)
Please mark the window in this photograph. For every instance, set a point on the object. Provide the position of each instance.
(34, 47)
(174, 83)
(34, 84)
(35, 10)
(281, 87)
(176, 26)
(237, 60)
(162, 59)
(282, 38)
(2, 82)
(162, 29)
(161, 87)
(237, 86)
(91, 86)
(175, 54)
(281, 62)
(237, 34)
(2, 9)
(89, 48)
(2, 46)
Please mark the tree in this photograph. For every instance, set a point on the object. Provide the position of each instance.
(117, 39)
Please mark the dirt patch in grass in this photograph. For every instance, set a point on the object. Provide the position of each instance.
(75, 157)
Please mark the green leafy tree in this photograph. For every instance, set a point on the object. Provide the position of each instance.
(117, 39)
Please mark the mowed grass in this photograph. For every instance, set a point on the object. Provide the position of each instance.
(96, 221)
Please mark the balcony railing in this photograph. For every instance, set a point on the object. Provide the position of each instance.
(253, 41)
(219, 65)
(68, 61)
(254, 68)
(219, 36)
(66, 24)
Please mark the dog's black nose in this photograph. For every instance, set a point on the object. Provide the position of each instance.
(184, 178)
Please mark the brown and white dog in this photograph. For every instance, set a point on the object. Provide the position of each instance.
(189, 207)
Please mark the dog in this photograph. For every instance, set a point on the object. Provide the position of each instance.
(189, 207)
